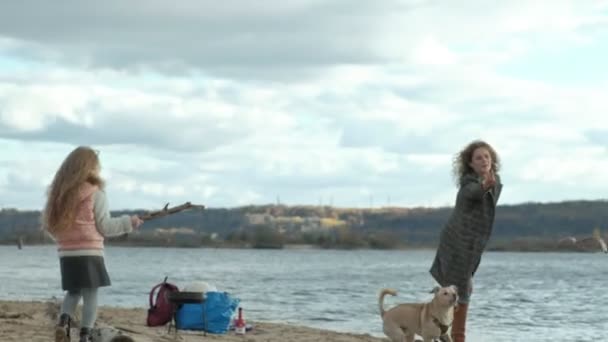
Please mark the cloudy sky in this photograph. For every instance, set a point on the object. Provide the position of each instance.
(344, 102)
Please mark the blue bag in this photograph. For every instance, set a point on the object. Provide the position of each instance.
(213, 315)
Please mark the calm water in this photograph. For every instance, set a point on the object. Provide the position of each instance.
(518, 296)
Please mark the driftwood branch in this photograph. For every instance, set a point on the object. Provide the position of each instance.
(168, 211)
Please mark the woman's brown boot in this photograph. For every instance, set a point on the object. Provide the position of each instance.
(460, 322)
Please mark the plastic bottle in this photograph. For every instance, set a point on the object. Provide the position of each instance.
(239, 324)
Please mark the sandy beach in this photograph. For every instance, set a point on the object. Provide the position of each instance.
(34, 321)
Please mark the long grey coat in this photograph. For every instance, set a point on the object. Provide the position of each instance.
(466, 234)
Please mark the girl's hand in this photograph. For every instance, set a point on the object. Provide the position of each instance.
(136, 222)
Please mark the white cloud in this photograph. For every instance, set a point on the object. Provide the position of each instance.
(126, 185)
(302, 100)
(248, 197)
(583, 166)
(431, 161)
(430, 51)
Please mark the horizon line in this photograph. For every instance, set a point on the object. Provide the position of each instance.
(380, 207)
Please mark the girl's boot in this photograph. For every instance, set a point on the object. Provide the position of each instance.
(85, 334)
(62, 329)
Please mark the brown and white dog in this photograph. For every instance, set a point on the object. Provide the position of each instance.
(109, 334)
(431, 320)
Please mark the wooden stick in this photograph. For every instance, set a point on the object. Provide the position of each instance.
(168, 211)
(128, 330)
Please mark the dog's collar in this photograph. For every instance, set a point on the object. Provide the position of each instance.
(443, 327)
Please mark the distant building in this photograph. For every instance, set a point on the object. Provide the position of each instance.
(311, 224)
(257, 219)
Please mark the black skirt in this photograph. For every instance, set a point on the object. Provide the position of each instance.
(78, 272)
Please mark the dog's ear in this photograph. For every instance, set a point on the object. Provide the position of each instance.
(455, 288)
(435, 289)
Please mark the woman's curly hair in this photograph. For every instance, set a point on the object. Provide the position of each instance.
(462, 159)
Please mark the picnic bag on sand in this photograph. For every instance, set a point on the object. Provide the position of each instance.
(161, 310)
(213, 315)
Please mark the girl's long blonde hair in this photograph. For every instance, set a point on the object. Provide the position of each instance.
(462, 159)
(79, 167)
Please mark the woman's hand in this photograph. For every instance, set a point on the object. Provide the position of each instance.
(489, 180)
(136, 222)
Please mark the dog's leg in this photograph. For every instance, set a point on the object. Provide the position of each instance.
(394, 332)
(446, 338)
(410, 337)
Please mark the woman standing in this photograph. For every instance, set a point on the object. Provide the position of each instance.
(464, 237)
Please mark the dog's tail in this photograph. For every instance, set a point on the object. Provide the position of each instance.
(383, 293)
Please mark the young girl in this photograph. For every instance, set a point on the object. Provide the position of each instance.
(78, 218)
(464, 238)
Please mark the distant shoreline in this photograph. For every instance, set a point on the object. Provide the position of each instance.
(571, 226)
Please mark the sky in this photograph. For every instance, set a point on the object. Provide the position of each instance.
(348, 103)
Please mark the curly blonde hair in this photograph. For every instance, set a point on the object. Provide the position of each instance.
(79, 167)
(462, 159)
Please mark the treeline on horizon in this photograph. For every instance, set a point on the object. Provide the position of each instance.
(520, 227)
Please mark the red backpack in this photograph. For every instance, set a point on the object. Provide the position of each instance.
(161, 311)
